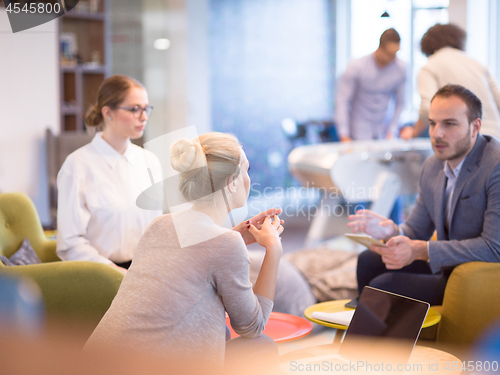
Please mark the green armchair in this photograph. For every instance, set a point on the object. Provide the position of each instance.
(74, 291)
(471, 303)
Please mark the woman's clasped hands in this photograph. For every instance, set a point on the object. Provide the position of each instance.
(257, 221)
(268, 235)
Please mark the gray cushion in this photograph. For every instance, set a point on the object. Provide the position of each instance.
(330, 273)
(293, 293)
(23, 256)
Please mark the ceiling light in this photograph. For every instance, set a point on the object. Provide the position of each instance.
(161, 44)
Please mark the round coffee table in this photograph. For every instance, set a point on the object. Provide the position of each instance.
(433, 316)
(423, 360)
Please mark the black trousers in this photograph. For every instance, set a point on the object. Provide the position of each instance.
(415, 280)
(124, 264)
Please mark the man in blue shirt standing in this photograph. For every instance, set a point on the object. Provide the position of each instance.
(365, 89)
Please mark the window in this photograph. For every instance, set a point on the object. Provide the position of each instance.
(411, 18)
(425, 13)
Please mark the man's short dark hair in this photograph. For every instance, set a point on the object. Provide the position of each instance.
(439, 36)
(389, 35)
(474, 106)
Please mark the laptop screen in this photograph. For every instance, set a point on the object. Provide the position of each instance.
(385, 315)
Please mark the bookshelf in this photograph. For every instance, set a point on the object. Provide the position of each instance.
(84, 60)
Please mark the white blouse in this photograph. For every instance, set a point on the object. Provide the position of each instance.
(450, 65)
(97, 217)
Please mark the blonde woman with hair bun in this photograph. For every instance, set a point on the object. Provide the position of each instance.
(98, 184)
(189, 270)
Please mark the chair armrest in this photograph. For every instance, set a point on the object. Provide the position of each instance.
(47, 252)
(73, 290)
(471, 302)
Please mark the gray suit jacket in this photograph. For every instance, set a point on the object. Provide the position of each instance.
(475, 221)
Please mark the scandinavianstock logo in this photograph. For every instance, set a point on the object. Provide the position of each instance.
(26, 14)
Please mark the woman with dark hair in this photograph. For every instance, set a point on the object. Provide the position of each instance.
(448, 63)
(440, 36)
(98, 184)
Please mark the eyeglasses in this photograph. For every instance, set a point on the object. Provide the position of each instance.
(137, 110)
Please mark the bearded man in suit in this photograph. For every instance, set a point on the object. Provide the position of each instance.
(459, 198)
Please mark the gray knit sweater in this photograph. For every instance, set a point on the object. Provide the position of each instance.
(172, 299)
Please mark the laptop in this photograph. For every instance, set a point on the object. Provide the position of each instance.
(384, 329)
(383, 316)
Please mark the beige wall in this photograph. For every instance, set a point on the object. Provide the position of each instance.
(177, 79)
(458, 13)
(479, 18)
(29, 103)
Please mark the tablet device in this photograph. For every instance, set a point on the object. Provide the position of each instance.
(364, 239)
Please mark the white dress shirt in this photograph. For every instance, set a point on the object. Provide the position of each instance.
(97, 217)
(450, 65)
(451, 179)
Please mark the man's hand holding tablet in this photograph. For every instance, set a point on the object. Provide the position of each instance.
(364, 239)
(373, 224)
(399, 250)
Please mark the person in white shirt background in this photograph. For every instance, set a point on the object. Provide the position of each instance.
(444, 45)
(98, 184)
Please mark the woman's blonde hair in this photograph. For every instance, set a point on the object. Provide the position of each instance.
(206, 163)
(111, 93)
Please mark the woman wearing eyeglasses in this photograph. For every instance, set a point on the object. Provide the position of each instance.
(98, 184)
